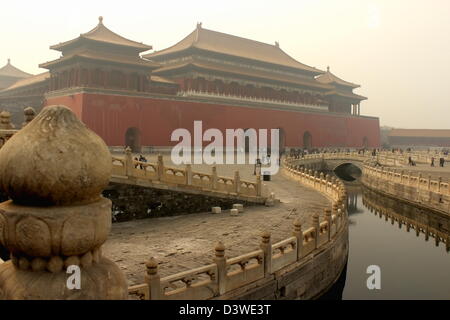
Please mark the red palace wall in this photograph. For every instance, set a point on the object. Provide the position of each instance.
(111, 115)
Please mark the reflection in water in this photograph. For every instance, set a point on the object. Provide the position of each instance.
(412, 267)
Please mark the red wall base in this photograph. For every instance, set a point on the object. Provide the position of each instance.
(111, 115)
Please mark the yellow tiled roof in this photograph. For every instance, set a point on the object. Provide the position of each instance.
(223, 43)
(102, 34)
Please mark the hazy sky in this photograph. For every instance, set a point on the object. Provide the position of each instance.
(398, 50)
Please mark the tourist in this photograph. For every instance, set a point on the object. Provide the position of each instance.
(432, 161)
(142, 159)
(409, 161)
(441, 162)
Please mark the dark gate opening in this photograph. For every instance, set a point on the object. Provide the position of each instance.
(133, 139)
(307, 140)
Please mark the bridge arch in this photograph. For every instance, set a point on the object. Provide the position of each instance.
(348, 171)
(133, 139)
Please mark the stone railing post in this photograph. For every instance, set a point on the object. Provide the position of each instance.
(160, 167)
(316, 226)
(328, 219)
(152, 279)
(258, 185)
(321, 177)
(315, 175)
(214, 178)
(237, 182)
(429, 182)
(439, 184)
(337, 213)
(188, 174)
(298, 233)
(340, 217)
(129, 162)
(266, 247)
(221, 263)
(29, 114)
(56, 221)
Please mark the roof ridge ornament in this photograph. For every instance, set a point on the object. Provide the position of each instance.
(100, 20)
(277, 44)
(328, 68)
(9, 60)
(197, 30)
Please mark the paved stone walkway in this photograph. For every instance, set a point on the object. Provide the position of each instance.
(184, 242)
(435, 171)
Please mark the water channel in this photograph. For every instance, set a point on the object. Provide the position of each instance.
(412, 265)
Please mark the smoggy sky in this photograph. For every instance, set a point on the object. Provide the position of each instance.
(398, 50)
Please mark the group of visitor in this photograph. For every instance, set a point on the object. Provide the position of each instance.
(411, 162)
(140, 159)
(441, 162)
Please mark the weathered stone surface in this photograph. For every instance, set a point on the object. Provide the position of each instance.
(234, 212)
(239, 207)
(100, 281)
(59, 161)
(54, 171)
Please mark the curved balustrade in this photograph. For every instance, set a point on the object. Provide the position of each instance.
(419, 190)
(128, 168)
(426, 192)
(226, 275)
(408, 222)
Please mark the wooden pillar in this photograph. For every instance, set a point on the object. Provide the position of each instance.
(78, 77)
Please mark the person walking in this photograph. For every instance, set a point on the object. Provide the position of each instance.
(432, 161)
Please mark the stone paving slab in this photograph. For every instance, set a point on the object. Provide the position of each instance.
(185, 242)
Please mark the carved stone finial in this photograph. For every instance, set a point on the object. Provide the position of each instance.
(29, 114)
(265, 235)
(54, 170)
(152, 266)
(59, 161)
(5, 120)
(100, 20)
(297, 224)
(219, 250)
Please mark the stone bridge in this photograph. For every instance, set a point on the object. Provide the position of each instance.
(143, 189)
(346, 165)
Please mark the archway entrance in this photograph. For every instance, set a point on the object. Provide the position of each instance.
(365, 142)
(133, 139)
(307, 140)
